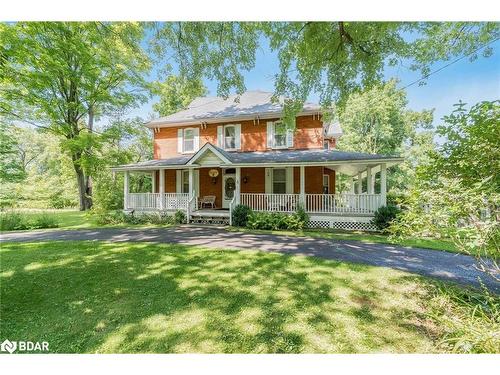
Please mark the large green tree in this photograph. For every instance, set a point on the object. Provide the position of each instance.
(63, 76)
(471, 151)
(176, 93)
(378, 121)
(457, 194)
(334, 59)
(12, 168)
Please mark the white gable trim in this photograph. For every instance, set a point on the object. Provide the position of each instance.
(208, 147)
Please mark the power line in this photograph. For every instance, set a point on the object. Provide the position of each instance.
(450, 63)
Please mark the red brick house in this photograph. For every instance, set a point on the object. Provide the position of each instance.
(218, 153)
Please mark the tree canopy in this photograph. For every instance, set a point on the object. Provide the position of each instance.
(61, 76)
(176, 93)
(334, 59)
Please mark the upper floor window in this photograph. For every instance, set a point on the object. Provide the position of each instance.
(229, 137)
(278, 135)
(188, 140)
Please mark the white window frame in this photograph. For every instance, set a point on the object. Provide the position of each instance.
(184, 151)
(275, 146)
(185, 176)
(224, 137)
(327, 143)
(328, 182)
(273, 180)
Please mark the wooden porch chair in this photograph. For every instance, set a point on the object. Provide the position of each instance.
(207, 200)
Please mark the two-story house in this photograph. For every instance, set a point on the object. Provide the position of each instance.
(218, 153)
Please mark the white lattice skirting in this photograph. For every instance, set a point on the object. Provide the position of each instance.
(344, 223)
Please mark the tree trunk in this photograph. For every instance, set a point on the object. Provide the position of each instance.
(84, 186)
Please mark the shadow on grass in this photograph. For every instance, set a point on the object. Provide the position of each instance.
(139, 297)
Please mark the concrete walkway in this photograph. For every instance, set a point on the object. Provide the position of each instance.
(439, 264)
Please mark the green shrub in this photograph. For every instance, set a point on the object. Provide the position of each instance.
(59, 200)
(17, 221)
(384, 216)
(179, 217)
(12, 221)
(104, 217)
(302, 215)
(108, 192)
(277, 220)
(43, 221)
(240, 215)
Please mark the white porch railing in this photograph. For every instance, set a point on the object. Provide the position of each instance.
(343, 203)
(157, 201)
(271, 202)
(314, 203)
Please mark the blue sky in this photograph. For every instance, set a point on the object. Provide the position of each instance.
(468, 81)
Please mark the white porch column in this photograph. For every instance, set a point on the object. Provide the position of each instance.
(303, 186)
(126, 179)
(369, 181)
(191, 182)
(360, 183)
(237, 189)
(383, 184)
(153, 182)
(161, 189)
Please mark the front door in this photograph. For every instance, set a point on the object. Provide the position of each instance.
(228, 188)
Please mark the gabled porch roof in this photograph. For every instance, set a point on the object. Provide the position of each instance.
(209, 155)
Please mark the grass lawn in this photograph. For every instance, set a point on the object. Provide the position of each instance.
(86, 297)
(426, 243)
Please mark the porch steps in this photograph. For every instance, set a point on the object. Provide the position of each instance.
(218, 217)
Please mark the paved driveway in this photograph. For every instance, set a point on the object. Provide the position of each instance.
(443, 265)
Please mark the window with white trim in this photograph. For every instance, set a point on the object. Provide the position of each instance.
(229, 137)
(185, 181)
(326, 184)
(188, 140)
(279, 181)
(279, 134)
(326, 144)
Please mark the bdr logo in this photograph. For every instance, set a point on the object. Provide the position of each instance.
(24, 346)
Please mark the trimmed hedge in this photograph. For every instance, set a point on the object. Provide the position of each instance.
(277, 220)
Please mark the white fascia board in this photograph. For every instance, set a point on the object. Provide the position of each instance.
(205, 148)
(219, 120)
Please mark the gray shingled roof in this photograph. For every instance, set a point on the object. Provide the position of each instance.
(250, 103)
(279, 156)
(299, 156)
